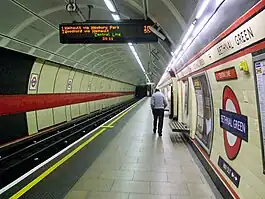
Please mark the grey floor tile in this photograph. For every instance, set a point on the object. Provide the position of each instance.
(106, 166)
(93, 184)
(90, 173)
(169, 188)
(135, 167)
(150, 176)
(181, 177)
(131, 186)
(130, 159)
(189, 197)
(137, 164)
(148, 196)
(117, 175)
(76, 194)
(165, 168)
(179, 161)
(190, 168)
(107, 195)
(200, 190)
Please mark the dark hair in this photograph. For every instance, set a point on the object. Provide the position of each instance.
(157, 90)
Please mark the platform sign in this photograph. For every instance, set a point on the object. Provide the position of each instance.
(229, 171)
(260, 86)
(226, 74)
(204, 126)
(124, 31)
(234, 124)
(33, 81)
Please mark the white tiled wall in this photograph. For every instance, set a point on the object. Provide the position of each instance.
(248, 163)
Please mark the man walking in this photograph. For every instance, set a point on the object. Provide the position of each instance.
(158, 105)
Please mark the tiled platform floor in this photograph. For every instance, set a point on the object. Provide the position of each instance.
(140, 165)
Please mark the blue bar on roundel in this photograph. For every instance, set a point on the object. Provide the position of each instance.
(234, 123)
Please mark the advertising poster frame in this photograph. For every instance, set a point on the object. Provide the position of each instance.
(204, 127)
(257, 59)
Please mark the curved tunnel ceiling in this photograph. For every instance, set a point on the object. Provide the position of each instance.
(31, 27)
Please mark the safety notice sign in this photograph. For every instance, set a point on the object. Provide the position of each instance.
(33, 84)
(229, 171)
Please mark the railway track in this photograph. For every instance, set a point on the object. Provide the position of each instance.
(19, 158)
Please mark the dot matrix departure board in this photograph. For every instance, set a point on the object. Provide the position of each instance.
(134, 31)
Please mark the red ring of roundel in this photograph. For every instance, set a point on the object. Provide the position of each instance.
(231, 151)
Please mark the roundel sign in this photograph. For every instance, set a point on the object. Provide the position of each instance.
(33, 81)
(234, 124)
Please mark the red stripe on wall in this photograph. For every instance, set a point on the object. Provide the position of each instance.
(11, 104)
(232, 191)
(255, 9)
(241, 53)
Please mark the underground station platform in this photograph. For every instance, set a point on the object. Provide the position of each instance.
(122, 159)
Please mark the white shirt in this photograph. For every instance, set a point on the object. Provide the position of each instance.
(158, 101)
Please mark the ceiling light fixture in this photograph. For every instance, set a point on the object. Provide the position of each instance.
(177, 50)
(187, 44)
(202, 23)
(188, 33)
(110, 5)
(116, 17)
(138, 60)
(202, 8)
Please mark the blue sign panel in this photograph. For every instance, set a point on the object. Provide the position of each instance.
(234, 123)
(229, 171)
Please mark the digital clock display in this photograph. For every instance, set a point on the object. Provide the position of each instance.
(134, 31)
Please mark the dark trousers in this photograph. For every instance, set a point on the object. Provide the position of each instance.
(158, 114)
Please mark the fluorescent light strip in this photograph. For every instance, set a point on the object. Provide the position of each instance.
(177, 50)
(110, 5)
(202, 8)
(192, 26)
(187, 42)
(116, 17)
(138, 60)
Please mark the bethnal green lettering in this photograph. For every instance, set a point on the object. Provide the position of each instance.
(244, 36)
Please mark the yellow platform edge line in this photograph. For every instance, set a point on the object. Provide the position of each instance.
(68, 156)
(107, 127)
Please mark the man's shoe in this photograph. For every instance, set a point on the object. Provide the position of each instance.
(160, 134)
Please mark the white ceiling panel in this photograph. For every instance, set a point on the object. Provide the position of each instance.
(69, 49)
(185, 7)
(34, 32)
(58, 59)
(166, 18)
(41, 54)
(61, 16)
(18, 46)
(35, 23)
(11, 16)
